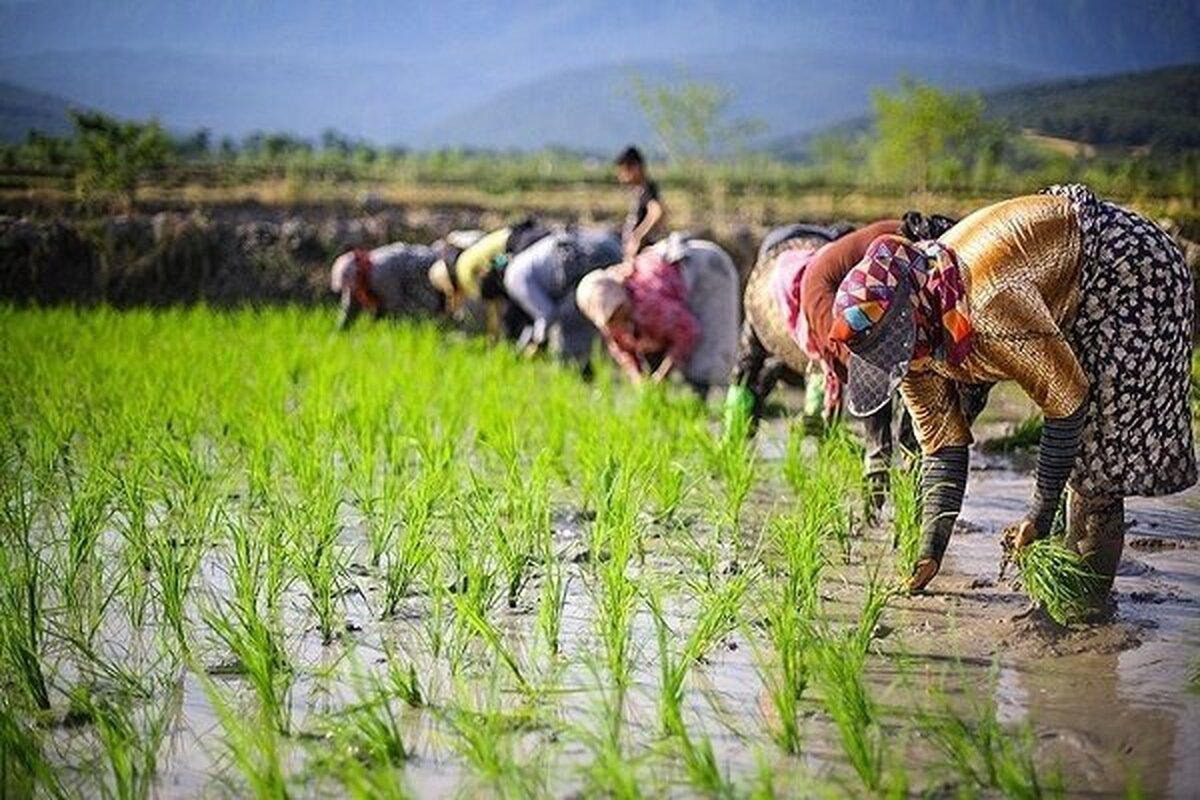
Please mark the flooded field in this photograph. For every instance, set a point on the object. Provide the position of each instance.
(246, 556)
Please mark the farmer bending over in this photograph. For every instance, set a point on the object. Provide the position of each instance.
(1087, 306)
(388, 281)
(541, 281)
(473, 270)
(676, 305)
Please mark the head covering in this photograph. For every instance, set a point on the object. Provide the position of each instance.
(903, 303)
(599, 295)
(442, 277)
(341, 272)
(462, 239)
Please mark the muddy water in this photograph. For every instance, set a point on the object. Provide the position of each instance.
(1105, 702)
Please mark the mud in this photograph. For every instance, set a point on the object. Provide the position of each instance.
(1108, 703)
(222, 255)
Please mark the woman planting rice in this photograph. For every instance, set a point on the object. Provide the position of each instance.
(676, 304)
(767, 352)
(388, 281)
(789, 302)
(472, 269)
(1087, 306)
(541, 281)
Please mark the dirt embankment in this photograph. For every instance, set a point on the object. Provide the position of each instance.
(224, 256)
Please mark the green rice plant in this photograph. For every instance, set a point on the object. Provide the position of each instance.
(409, 548)
(471, 615)
(261, 658)
(785, 672)
(175, 563)
(906, 517)
(484, 739)
(316, 556)
(839, 661)
(611, 772)
(25, 768)
(367, 782)
(982, 751)
(270, 530)
(369, 731)
(552, 599)
(716, 619)
(134, 525)
(733, 460)
(615, 595)
(669, 489)
(845, 698)
(1057, 578)
(130, 744)
(799, 539)
(254, 746)
(82, 577)
(23, 620)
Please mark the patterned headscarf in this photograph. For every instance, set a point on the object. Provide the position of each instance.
(938, 297)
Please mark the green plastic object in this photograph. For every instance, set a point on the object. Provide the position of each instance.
(739, 406)
(814, 395)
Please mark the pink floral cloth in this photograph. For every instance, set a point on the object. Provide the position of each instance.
(662, 320)
(790, 266)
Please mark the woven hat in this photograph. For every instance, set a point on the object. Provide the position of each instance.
(763, 311)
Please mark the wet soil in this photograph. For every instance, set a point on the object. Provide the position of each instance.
(1109, 704)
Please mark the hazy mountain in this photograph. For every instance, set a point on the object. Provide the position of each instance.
(1159, 108)
(593, 108)
(22, 111)
(1156, 108)
(411, 71)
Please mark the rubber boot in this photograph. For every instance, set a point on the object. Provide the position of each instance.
(1096, 530)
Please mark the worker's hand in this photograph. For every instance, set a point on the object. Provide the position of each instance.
(664, 369)
(1013, 539)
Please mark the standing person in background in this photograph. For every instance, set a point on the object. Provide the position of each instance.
(647, 218)
(388, 281)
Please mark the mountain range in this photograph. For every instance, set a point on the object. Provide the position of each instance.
(525, 74)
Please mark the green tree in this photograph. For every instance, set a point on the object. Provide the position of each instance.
(924, 136)
(687, 118)
(114, 155)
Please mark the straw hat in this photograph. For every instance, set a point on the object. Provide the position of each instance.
(763, 311)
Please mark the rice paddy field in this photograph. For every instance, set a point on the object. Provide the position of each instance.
(243, 555)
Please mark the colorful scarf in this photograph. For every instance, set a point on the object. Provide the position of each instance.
(938, 297)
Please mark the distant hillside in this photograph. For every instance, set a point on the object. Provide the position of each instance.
(592, 108)
(22, 110)
(1159, 109)
(403, 73)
